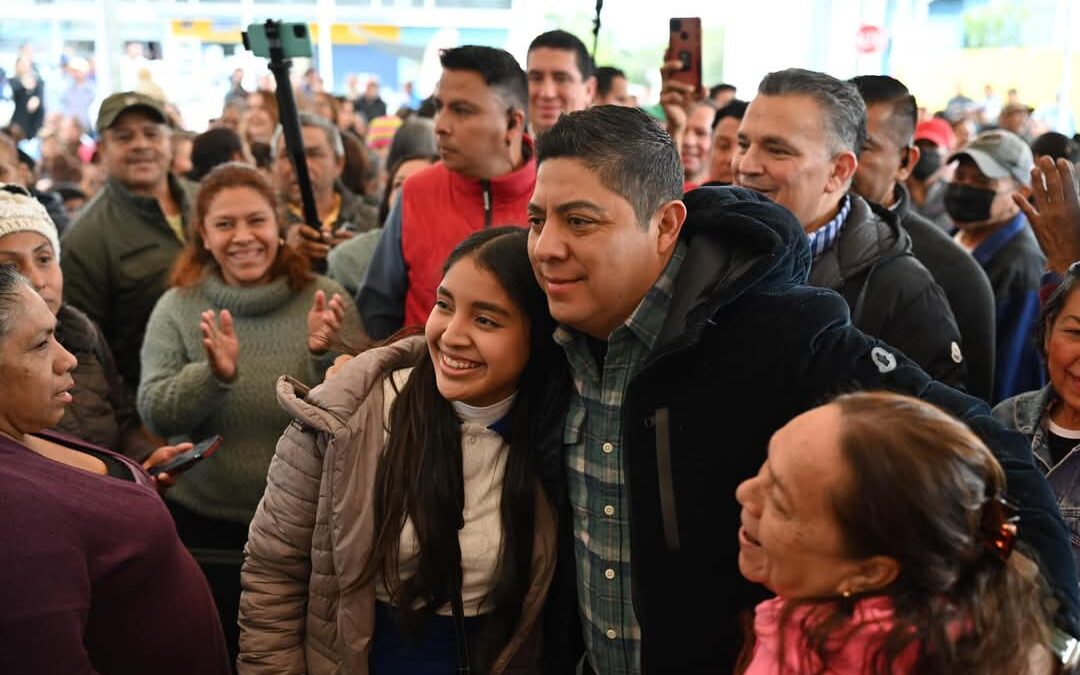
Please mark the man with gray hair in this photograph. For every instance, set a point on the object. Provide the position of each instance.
(798, 145)
(341, 213)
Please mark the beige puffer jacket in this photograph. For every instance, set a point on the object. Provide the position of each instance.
(301, 611)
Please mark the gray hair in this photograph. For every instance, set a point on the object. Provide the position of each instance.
(312, 121)
(841, 104)
(10, 281)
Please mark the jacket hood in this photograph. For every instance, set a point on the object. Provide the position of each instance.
(871, 236)
(737, 240)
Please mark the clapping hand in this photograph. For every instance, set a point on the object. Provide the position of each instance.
(324, 322)
(1055, 217)
(221, 344)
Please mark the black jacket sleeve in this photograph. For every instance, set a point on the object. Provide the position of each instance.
(842, 358)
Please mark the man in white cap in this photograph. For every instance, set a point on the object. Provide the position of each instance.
(980, 200)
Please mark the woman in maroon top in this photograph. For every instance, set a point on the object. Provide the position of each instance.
(95, 580)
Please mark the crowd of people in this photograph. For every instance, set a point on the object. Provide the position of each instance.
(787, 384)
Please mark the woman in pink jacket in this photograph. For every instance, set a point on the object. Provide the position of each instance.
(880, 524)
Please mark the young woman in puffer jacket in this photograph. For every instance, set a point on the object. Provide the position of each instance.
(408, 523)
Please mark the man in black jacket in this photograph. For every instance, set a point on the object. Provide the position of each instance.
(691, 338)
(885, 162)
(798, 145)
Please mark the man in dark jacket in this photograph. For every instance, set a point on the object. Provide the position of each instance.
(797, 145)
(991, 171)
(885, 162)
(691, 338)
(118, 252)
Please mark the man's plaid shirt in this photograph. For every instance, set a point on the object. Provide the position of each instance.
(593, 439)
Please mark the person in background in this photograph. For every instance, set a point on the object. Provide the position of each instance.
(725, 141)
(118, 252)
(449, 521)
(370, 105)
(260, 118)
(215, 147)
(885, 162)
(690, 121)
(798, 145)
(242, 311)
(561, 79)
(1056, 146)
(880, 522)
(485, 179)
(935, 140)
(992, 228)
(1050, 417)
(17, 168)
(722, 94)
(1016, 118)
(181, 144)
(340, 211)
(90, 556)
(611, 87)
(75, 101)
(28, 95)
(963, 131)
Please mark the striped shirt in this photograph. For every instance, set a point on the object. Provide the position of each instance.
(823, 238)
(593, 439)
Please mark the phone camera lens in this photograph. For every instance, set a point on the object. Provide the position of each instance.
(299, 31)
(685, 35)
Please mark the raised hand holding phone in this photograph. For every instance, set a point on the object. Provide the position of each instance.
(221, 344)
(680, 76)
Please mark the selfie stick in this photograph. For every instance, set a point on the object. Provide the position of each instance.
(290, 128)
(596, 29)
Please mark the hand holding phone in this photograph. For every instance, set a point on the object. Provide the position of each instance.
(684, 46)
(185, 460)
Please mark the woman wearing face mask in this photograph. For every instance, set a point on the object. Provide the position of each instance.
(244, 310)
(406, 526)
(878, 521)
(1050, 416)
(94, 578)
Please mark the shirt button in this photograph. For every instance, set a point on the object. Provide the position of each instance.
(611, 634)
(609, 510)
(608, 448)
(609, 574)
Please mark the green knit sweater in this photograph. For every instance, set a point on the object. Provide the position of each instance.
(180, 398)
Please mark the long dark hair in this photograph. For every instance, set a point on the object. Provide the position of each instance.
(926, 492)
(420, 474)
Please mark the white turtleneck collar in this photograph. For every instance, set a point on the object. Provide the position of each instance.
(484, 416)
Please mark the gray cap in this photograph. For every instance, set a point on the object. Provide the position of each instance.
(999, 154)
(117, 104)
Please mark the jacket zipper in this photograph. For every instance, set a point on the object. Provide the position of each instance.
(486, 184)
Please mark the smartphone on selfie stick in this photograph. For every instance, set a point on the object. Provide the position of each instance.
(684, 45)
(186, 459)
(281, 42)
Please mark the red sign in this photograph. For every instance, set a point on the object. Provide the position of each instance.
(869, 39)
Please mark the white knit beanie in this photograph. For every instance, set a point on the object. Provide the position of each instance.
(20, 212)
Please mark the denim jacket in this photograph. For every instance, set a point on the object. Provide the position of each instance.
(1027, 413)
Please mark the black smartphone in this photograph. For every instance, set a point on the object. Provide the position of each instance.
(185, 460)
(684, 45)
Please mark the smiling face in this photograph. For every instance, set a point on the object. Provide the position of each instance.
(790, 540)
(477, 337)
(784, 153)
(1062, 345)
(241, 232)
(592, 258)
(697, 142)
(555, 86)
(35, 369)
(32, 256)
(725, 143)
(136, 151)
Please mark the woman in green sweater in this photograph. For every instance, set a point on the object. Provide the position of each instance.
(244, 309)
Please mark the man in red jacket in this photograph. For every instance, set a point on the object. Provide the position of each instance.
(485, 179)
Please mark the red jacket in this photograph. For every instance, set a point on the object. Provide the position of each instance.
(440, 208)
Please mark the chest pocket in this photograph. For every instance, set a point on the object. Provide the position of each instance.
(146, 265)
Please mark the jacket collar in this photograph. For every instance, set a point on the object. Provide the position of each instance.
(148, 207)
(990, 246)
(871, 236)
(737, 240)
(508, 187)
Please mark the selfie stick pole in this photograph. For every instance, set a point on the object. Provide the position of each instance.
(290, 128)
(596, 29)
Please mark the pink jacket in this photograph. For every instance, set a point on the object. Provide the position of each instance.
(873, 616)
